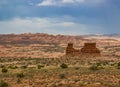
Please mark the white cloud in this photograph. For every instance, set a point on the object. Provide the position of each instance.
(68, 24)
(63, 2)
(73, 1)
(47, 3)
(67, 1)
(44, 25)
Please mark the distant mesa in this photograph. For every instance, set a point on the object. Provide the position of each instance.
(88, 48)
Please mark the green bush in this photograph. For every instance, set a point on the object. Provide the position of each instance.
(3, 84)
(118, 65)
(2, 66)
(98, 64)
(62, 76)
(40, 66)
(76, 68)
(69, 86)
(63, 65)
(18, 81)
(4, 70)
(13, 67)
(93, 67)
(24, 66)
(54, 85)
(20, 75)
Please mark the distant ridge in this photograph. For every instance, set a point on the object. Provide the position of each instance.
(41, 38)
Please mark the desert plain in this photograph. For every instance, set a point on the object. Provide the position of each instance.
(39, 60)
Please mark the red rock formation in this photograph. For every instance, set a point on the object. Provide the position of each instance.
(88, 48)
(71, 51)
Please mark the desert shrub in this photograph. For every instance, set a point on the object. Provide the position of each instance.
(69, 86)
(3, 84)
(98, 63)
(54, 85)
(114, 85)
(45, 70)
(18, 81)
(2, 66)
(105, 62)
(76, 68)
(118, 65)
(4, 70)
(20, 75)
(40, 66)
(62, 76)
(101, 67)
(113, 64)
(93, 67)
(63, 65)
(24, 66)
(13, 67)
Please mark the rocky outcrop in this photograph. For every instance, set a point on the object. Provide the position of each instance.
(70, 50)
(88, 48)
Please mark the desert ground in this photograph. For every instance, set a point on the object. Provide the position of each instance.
(38, 60)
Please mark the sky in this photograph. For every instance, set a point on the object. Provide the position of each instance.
(70, 17)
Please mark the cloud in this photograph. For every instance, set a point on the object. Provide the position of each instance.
(63, 2)
(68, 24)
(72, 1)
(47, 3)
(44, 25)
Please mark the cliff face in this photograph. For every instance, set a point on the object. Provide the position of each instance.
(70, 50)
(88, 48)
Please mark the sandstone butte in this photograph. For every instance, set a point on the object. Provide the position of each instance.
(88, 48)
